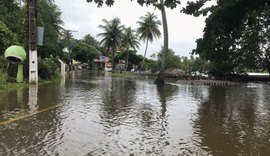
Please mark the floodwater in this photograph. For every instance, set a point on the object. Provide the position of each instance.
(94, 114)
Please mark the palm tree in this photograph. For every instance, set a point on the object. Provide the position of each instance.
(148, 29)
(129, 40)
(112, 34)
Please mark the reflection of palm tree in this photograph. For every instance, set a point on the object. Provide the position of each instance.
(129, 40)
(148, 29)
(162, 96)
(164, 93)
(112, 34)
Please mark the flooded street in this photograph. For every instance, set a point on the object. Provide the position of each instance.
(94, 114)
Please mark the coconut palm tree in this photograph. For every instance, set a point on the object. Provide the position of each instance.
(148, 29)
(129, 40)
(112, 34)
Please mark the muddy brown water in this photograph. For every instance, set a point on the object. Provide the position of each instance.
(94, 114)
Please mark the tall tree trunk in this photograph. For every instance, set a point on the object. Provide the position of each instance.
(144, 53)
(161, 76)
(113, 63)
(145, 50)
(127, 60)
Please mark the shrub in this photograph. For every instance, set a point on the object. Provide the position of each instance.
(48, 68)
(9, 68)
(3, 77)
(3, 63)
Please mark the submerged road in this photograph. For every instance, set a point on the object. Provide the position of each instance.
(95, 114)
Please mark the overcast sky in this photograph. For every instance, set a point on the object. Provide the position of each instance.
(85, 17)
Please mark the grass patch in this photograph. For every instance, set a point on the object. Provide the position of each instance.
(125, 75)
(11, 86)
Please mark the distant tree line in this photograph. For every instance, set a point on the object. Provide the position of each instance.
(118, 42)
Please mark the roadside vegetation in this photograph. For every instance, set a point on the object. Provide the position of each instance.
(235, 39)
(230, 44)
(125, 75)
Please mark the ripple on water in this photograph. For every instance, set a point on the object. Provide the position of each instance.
(107, 116)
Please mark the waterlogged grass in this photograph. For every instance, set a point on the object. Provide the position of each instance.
(11, 86)
(125, 75)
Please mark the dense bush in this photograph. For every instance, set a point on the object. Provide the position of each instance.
(85, 53)
(3, 78)
(9, 68)
(7, 37)
(3, 63)
(48, 68)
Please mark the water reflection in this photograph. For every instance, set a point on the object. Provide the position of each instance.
(13, 100)
(231, 122)
(33, 98)
(27, 136)
(117, 97)
(102, 115)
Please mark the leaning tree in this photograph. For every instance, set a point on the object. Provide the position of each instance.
(148, 29)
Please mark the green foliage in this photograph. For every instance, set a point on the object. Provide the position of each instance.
(3, 63)
(148, 28)
(3, 78)
(236, 35)
(111, 36)
(129, 40)
(84, 53)
(14, 29)
(49, 16)
(7, 37)
(48, 68)
(67, 39)
(12, 16)
(11, 86)
(90, 40)
(192, 64)
(9, 67)
(134, 59)
(160, 4)
(193, 8)
(169, 3)
(173, 61)
(151, 65)
(198, 64)
(66, 57)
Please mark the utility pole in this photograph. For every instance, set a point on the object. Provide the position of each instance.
(33, 64)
